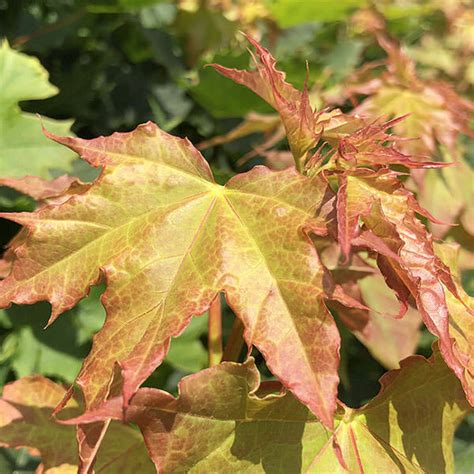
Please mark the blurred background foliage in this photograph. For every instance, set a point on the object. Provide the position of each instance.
(118, 63)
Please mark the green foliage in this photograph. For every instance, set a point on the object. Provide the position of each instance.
(115, 64)
(23, 78)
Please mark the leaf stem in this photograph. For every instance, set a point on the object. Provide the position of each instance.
(235, 342)
(214, 337)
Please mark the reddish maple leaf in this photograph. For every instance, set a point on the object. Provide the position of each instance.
(168, 239)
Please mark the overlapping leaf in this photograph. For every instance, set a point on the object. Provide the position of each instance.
(168, 239)
(304, 126)
(449, 194)
(387, 338)
(23, 78)
(223, 422)
(406, 256)
(436, 113)
(25, 420)
(461, 323)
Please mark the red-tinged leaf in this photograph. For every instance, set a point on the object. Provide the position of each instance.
(347, 219)
(39, 188)
(388, 211)
(5, 267)
(436, 113)
(371, 145)
(461, 322)
(168, 240)
(220, 423)
(25, 420)
(388, 338)
(292, 105)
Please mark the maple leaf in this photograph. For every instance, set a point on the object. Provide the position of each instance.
(461, 322)
(293, 105)
(356, 141)
(449, 194)
(388, 338)
(406, 256)
(168, 240)
(38, 188)
(23, 78)
(25, 420)
(436, 113)
(223, 421)
(368, 145)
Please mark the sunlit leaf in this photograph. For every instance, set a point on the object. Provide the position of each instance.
(449, 195)
(23, 148)
(168, 239)
(222, 422)
(388, 338)
(406, 255)
(437, 114)
(461, 323)
(25, 420)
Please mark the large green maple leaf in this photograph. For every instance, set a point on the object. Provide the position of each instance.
(223, 421)
(23, 148)
(168, 240)
(25, 420)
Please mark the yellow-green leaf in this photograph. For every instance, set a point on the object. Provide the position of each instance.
(169, 239)
(26, 409)
(222, 421)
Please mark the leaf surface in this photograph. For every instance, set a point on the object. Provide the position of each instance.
(461, 323)
(387, 338)
(437, 114)
(406, 258)
(169, 239)
(25, 420)
(23, 148)
(222, 422)
(293, 105)
(448, 193)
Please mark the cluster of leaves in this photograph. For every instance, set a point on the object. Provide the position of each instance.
(327, 240)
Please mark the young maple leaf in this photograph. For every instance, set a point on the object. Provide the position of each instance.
(274, 433)
(293, 105)
(461, 321)
(168, 240)
(38, 188)
(406, 256)
(436, 113)
(25, 420)
(304, 126)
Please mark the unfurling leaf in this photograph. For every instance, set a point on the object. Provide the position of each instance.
(292, 105)
(223, 422)
(23, 148)
(436, 113)
(169, 239)
(26, 408)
